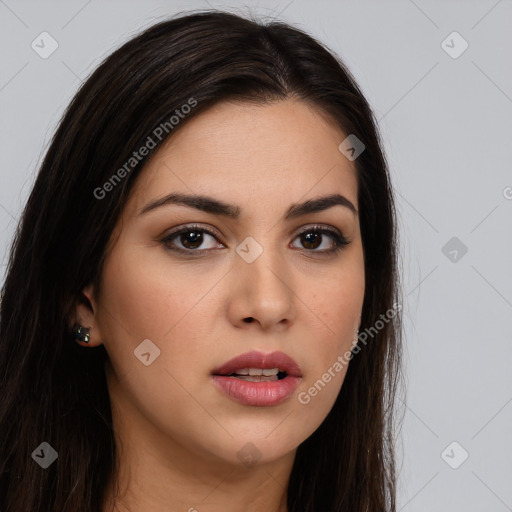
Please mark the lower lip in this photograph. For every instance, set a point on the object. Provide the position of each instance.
(263, 394)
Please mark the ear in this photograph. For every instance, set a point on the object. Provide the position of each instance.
(84, 314)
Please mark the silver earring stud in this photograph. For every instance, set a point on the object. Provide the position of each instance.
(81, 333)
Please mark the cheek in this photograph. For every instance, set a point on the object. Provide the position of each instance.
(141, 301)
(147, 295)
(147, 298)
(329, 361)
(337, 303)
(337, 308)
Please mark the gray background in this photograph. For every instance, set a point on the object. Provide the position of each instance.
(446, 123)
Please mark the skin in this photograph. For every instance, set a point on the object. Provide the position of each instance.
(178, 436)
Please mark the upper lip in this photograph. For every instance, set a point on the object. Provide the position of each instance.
(257, 359)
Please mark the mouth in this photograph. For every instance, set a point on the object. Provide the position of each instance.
(255, 365)
(258, 374)
(258, 379)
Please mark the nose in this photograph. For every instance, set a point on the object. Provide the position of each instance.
(262, 292)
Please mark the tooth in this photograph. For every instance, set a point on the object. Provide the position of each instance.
(257, 378)
(256, 372)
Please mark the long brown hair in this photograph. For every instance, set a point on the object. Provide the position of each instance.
(54, 391)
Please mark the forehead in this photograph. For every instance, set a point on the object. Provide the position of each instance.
(243, 151)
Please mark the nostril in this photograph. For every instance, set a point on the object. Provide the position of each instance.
(248, 319)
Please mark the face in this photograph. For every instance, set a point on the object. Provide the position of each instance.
(260, 275)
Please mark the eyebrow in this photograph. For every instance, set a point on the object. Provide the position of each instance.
(216, 207)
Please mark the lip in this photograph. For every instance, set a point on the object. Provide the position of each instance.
(265, 393)
(257, 359)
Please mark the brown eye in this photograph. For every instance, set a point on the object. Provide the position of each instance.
(313, 238)
(190, 239)
(195, 240)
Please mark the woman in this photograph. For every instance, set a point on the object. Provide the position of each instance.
(211, 229)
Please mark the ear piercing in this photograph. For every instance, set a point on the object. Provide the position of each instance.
(81, 333)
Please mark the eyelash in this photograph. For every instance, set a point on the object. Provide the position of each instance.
(339, 240)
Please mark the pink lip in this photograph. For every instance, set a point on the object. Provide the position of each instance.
(256, 359)
(261, 394)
